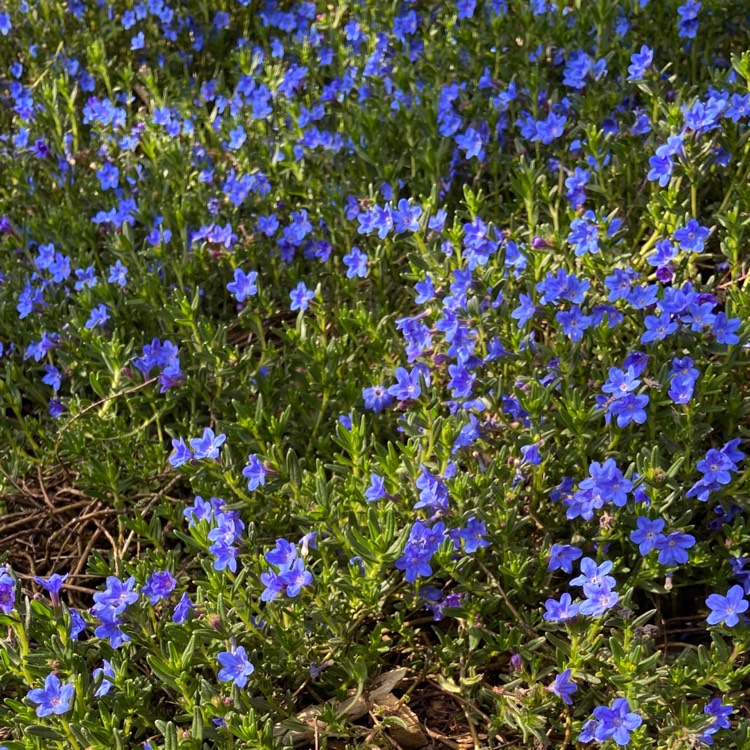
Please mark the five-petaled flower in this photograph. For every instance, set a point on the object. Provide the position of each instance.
(727, 609)
(54, 698)
(236, 666)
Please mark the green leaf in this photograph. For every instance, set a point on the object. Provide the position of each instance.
(293, 468)
(46, 733)
(170, 737)
(162, 670)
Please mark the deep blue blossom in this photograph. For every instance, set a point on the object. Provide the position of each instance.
(53, 584)
(295, 577)
(207, 446)
(616, 721)
(562, 557)
(673, 548)
(356, 263)
(727, 609)
(692, 237)
(647, 534)
(236, 667)
(108, 675)
(53, 698)
(301, 297)
(377, 398)
(563, 687)
(473, 535)
(376, 490)
(639, 62)
(630, 408)
(181, 454)
(254, 472)
(560, 611)
(407, 385)
(159, 586)
(7, 591)
(243, 285)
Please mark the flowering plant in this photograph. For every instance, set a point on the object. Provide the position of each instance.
(345, 341)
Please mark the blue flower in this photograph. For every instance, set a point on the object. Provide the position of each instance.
(563, 687)
(550, 129)
(620, 382)
(236, 138)
(53, 584)
(243, 285)
(225, 555)
(110, 627)
(407, 386)
(52, 377)
(159, 586)
(108, 176)
(739, 107)
(377, 398)
(116, 596)
(295, 578)
(562, 556)
(692, 237)
(118, 274)
(584, 235)
(687, 25)
(107, 672)
(471, 143)
(254, 472)
(639, 61)
(273, 585)
(181, 453)
(54, 698)
(616, 722)
(207, 446)
(531, 454)
(724, 328)
(301, 297)
(182, 610)
(236, 667)
(86, 278)
(376, 490)
(574, 322)
(525, 311)
(672, 548)
(727, 608)
(629, 409)
(99, 316)
(721, 714)
(473, 534)
(658, 328)
(7, 591)
(716, 467)
(661, 169)
(282, 555)
(562, 610)
(77, 623)
(356, 264)
(598, 602)
(647, 534)
(594, 577)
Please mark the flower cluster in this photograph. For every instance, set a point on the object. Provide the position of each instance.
(459, 290)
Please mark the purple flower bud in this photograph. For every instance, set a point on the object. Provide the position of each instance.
(664, 274)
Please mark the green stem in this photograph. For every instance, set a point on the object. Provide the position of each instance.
(69, 733)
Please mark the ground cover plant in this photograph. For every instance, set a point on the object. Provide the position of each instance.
(374, 375)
